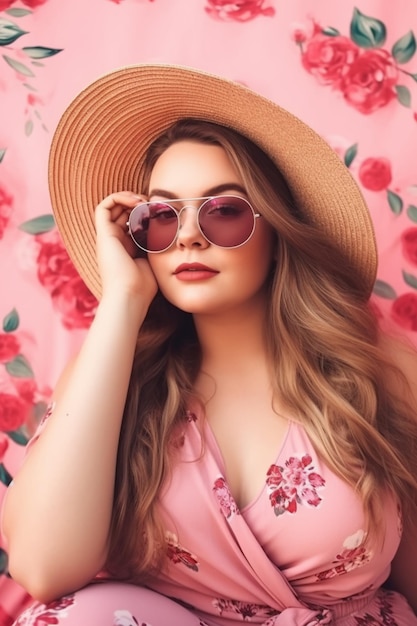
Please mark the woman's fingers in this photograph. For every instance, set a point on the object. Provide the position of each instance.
(116, 208)
(116, 251)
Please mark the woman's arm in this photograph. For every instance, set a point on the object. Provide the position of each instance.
(57, 512)
(403, 576)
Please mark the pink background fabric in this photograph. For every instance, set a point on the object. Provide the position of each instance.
(348, 69)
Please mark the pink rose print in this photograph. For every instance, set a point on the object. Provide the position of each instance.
(27, 389)
(239, 11)
(57, 274)
(224, 497)
(4, 444)
(9, 347)
(404, 311)
(375, 173)
(245, 610)
(6, 206)
(125, 618)
(13, 412)
(294, 484)
(46, 614)
(369, 82)
(76, 303)
(365, 74)
(409, 246)
(32, 4)
(327, 58)
(353, 555)
(177, 554)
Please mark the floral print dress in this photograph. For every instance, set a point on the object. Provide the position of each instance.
(294, 556)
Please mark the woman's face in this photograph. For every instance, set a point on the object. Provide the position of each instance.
(231, 278)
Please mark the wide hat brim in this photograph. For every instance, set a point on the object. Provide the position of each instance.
(102, 138)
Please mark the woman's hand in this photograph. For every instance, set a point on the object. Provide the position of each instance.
(119, 269)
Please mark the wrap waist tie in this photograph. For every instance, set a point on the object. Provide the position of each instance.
(300, 616)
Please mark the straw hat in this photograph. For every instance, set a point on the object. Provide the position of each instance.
(101, 140)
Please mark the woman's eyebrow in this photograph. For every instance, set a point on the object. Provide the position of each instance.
(213, 191)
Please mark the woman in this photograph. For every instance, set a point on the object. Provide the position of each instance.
(236, 435)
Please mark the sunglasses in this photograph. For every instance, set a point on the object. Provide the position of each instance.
(225, 221)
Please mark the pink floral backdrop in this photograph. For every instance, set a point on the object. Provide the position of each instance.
(348, 69)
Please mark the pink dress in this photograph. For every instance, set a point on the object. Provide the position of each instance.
(295, 556)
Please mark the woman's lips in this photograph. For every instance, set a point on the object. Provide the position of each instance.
(194, 271)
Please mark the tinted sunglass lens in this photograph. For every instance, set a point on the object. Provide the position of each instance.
(227, 221)
(153, 226)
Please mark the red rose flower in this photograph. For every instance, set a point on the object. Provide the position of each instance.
(240, 11)
(6, 204)
(33, 3)
(375, 173)
(26, 388)
(4, 444)
(404, 311)
(54, 264)
(369, 82)
(69, 293)
(5, 618)
(299, 35)
(6, 4)
(409, 244)
(328, 58)
(75, 302)
(13, 412)
(9, 347)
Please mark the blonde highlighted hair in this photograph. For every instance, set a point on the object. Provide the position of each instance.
(319, 323)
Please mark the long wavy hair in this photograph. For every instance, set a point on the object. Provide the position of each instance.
(319, 324)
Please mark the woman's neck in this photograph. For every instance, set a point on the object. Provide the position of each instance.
(233, 341)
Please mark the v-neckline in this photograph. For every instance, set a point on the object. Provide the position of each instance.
(215, 450)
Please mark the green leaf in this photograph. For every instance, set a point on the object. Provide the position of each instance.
(40, 52)
(9, 32)
(350, 154)
(11, 321)
(412, 213)
(384, 290)
(19, 367)
(5, 477)
(38, 64)
(404, 49)
(414, 76)
(38, 225)
(18, 66)
(395, 202)
(3, 561)
(367, 32)
(18, 12)
(28, 128)
(29, 87)
(39, 410)
(330, 31)
(410, 279)
(18, 437)
(403, 95)
(2, 153)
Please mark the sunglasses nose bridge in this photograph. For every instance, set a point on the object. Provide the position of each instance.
(182, 214)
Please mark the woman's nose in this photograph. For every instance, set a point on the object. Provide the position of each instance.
(189, 233)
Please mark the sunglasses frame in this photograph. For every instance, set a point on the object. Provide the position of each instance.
(178, 214)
